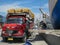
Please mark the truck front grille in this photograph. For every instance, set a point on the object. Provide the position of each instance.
(11, 31)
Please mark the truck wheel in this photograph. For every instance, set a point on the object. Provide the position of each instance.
(4, 39)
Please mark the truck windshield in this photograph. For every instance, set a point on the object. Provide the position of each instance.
(15, 20)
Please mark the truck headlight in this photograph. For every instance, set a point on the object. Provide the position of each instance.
(13, 27)
(3, 32)
(8, 27)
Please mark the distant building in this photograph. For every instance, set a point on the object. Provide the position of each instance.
(1, 21)
(1, 18)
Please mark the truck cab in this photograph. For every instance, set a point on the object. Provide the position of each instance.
(14, 27)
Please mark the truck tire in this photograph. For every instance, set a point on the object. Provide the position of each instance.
(4, 39)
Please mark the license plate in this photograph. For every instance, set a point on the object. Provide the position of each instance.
(10, 38)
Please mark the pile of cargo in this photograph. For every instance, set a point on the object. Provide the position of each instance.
(22, 10)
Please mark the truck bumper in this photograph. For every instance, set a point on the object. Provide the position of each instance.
(13, 36)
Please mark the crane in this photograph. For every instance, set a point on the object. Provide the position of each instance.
(44, 14)
(46, 19)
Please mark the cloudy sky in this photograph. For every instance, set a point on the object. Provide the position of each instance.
(34, 5)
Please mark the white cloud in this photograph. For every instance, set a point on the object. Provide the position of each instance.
(45, 6)
(5, 7)
(35, 7)
(38, 16)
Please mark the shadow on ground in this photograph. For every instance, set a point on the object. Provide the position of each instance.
(51, 39)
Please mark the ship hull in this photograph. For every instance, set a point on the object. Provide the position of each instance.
(55, 13)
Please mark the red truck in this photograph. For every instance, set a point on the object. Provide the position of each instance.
(17, 24)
